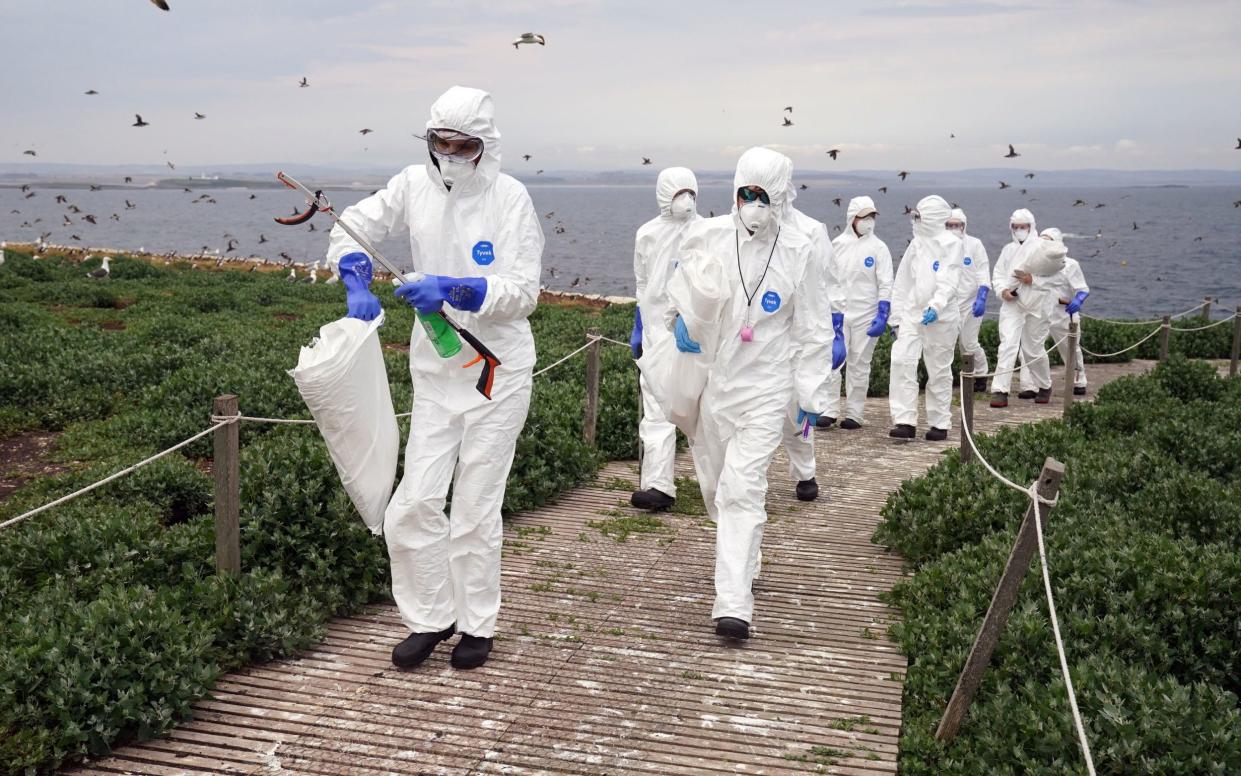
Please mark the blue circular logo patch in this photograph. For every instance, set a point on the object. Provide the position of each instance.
(771, 301)
(870, 261)
(484, 252)
(968, 261)
(935, 267)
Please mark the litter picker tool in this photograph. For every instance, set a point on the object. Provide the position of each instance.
(440, 329)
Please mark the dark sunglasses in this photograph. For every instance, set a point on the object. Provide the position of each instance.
(749, 195)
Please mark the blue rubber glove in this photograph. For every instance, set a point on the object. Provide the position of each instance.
(355, 274)
(1075, 305)
(803, 416)
(980, 301)
(838, 343)
(930, 316)
(635, 335)
(428, 293)
(684, 343)
(881, 319)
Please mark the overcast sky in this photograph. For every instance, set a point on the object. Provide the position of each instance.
(1123, 85)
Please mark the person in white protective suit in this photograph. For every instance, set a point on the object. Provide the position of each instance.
(777, 310)
(863, 265)
(1069, 290)
(925, 319)
(1025, 311)
(655, 254)
(972, 301)
(798, 444)
(477, 242)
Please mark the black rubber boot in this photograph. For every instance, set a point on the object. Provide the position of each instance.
(732, 628)
(999, 399)
(651, 500)
(471, 651)
(1027, 395)
(1043, 396)
(980, 385)
(807, 490)
(936, 434)
(1079, 390)
(849, 424)
(903, 431)
(825, 422)
(417, 647)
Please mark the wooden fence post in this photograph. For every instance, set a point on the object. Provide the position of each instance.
(967, 406)
(227, 470)
(1070, 367)
(591, 416)
(1206, 308)
(1163, 338)
(1236, 343)
(1001, 605)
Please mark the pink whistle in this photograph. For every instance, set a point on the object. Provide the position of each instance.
(747, 333)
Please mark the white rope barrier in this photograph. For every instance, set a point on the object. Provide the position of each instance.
(590, 341)
(1119, 352)
(110, 478)
(1208, 326)
(1198, 306)
(1037, 501)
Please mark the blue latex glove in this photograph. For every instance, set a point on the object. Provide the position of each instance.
(428, 293)
(1075, 305)
(635, 335)
(980, 301)
(355, 274)
(838, 343)
(881, 319)
(803, 417)
(684, 343)
(930, 316)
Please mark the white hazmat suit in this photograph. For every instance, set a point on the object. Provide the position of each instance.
(1024, 321)
(929, 277)
(1063, 286)
(863, 265)
(977, 274)
(655, 255)
(448, 571)
(778, 292)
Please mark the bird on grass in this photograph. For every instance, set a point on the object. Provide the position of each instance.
(292, 278)
(99, 274)
(139, 122)
(1012, 153)
(529, 38)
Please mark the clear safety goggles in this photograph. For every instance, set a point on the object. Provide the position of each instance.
(449, 145)
(746, 194)
(954, 225)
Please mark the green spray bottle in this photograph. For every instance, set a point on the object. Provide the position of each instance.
(443, 337)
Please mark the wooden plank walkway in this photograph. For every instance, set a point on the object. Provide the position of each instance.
(605, 661)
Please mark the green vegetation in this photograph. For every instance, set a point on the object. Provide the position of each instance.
(1144, 549)
(113, 620)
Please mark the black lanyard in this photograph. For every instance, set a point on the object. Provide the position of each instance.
(749, 298)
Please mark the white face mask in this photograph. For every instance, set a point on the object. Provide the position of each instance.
(454, 172)
(683, 206)
(755, 215)
(864, 226)
(1021, 234)
(959, 231)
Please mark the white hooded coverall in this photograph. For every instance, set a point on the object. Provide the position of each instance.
(799, 448)
(447, 571)
(864, 267)
(929, 276)
(751, 384)
(1064, 285)
(977, 273)
(1024, 322)
(655, 255)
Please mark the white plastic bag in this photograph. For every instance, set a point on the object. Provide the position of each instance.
(699, 289)
(341, 377)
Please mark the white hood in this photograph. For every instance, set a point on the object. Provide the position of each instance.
(934, 212)
(771, 171)
(1023, 216)
(856, 205)
(671, 180)
(470, 111)
(959, 215)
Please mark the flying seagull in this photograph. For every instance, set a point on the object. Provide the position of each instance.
(646, 160)
(172, 166)
(1004, 185)
(140, 122)
(198, 116)
(832, 153)
(804, 187)
(1029, 176)
(365, 131)
(788, 109)
(903, 175)
(29, 153)
(1078, 202)
(161, 5)
(788, 122)
(1238, 148)
(1012, 153)
(883, 189)
(836, 201)
(304, 82)
(129, 179)
(91, 92)
(530, 38)
(526, 157)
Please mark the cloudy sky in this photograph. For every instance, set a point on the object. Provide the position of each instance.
(1115, 84)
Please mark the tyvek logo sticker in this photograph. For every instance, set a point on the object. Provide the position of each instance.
(935, 267)
(870, 261)
(484, 252)
(968, 261)
(771, 301)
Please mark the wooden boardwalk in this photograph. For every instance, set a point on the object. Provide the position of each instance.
(605, 660)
